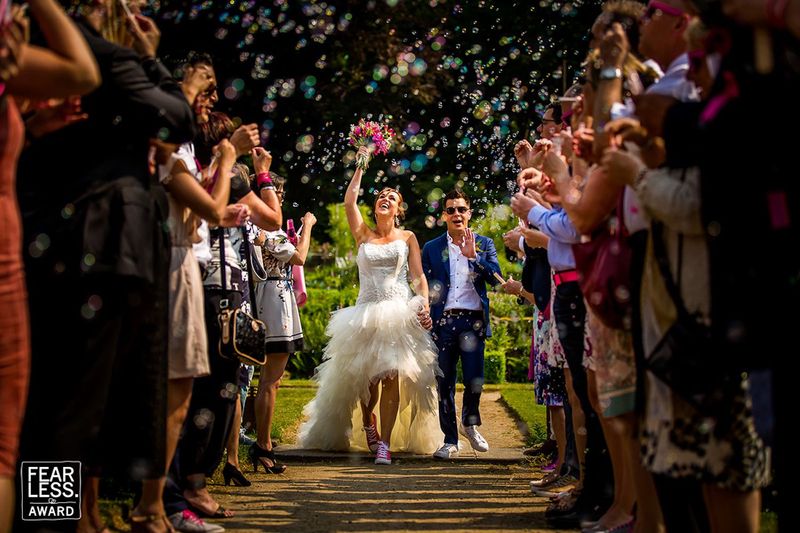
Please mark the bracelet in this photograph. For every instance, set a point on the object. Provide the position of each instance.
(776, 12)
(266, 188)
(263, 179)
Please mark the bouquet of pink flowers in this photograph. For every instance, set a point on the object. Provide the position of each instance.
(373, 134)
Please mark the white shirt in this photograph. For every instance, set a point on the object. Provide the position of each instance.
(673, 83)
(462, 293)
(202, 249)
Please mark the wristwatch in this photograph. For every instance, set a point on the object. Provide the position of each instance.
(609, 73)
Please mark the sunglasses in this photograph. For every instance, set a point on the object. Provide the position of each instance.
(461, 209)
(656, 8)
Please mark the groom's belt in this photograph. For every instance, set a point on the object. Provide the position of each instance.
(463, 312)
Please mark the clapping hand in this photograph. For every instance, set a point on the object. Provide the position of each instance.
(235, 215)
(523, 151)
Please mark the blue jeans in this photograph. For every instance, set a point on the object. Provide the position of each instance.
(457, 338)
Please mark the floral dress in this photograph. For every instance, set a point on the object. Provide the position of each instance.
(275, 298)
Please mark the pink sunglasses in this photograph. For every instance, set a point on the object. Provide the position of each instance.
(655, 7)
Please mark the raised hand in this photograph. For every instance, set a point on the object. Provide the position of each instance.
(554, 167)
(262, 159)
(309, 220)
(245, 138)
(224, 149)
(511, 239)
(521, 204)
(146, 35)
(12, 37)
(530, 178)
(512, 286)
(467, 244)
(523, 151)
(622, 167)
(614, 46)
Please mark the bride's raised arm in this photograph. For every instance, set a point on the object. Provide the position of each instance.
(357, 226)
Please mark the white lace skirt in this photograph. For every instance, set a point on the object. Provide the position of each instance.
(368, 342)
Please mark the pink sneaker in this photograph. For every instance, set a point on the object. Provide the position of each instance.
(382, 456)
(372, 435)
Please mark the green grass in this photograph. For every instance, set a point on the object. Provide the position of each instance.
(292, 397)
(520, 399)
(769, 522)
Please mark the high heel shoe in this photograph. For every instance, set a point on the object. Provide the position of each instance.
(232, 474)
(258, 454)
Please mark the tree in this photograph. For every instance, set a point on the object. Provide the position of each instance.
(461, 82)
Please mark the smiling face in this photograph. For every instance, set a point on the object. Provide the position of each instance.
(205, 101)
(389, 204)
(456, 215)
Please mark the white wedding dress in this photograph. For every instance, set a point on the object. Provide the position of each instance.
(377, 337)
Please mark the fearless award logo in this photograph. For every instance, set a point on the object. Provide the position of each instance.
(51, 490)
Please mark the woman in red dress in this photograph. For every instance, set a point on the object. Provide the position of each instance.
(66, 69)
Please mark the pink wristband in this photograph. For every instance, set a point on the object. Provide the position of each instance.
(263, 179)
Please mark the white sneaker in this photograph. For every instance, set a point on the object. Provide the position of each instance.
(447, 451)
(382, 456)
(187, 521)
(477, 441)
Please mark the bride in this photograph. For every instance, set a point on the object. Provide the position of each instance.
(380, 341)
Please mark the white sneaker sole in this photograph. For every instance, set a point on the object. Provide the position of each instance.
(383, 461)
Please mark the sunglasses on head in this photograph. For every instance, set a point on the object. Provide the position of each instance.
(461, 209)
(660, 8)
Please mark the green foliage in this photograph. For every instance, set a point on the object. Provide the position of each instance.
(520, 400)
(494, 367)
(511, 333)
(289, 411)
(498, 220)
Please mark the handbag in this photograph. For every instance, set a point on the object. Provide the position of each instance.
(603, 266)
(684, 358)
(242, 336)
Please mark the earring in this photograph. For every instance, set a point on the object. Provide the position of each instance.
(396, 221)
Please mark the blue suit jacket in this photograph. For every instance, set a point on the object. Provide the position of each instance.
(436, 265)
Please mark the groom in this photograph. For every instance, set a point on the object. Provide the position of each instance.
(458, 266)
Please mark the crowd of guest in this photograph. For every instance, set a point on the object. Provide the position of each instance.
(144, 241)
(652, 259)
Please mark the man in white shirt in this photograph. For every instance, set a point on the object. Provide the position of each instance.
(458, 266)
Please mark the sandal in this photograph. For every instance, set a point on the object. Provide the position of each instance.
(564, 504)
(257, 457)
(140, 522)
(219, 512)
